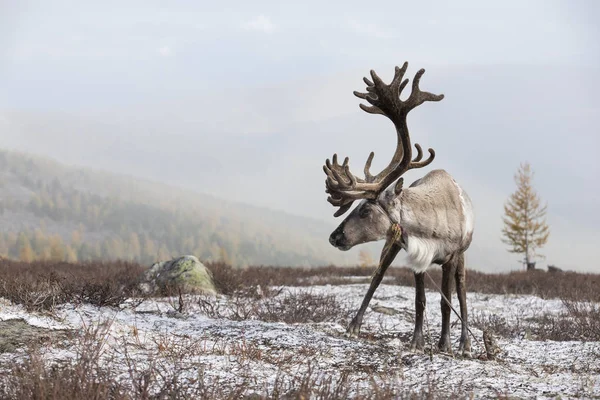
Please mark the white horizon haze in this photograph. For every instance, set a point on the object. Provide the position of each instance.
(245, 101)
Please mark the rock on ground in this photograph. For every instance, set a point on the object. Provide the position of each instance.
(186, 273)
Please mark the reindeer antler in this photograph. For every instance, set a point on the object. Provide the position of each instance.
(343, 186)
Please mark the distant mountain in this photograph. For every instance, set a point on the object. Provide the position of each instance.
(50, 210)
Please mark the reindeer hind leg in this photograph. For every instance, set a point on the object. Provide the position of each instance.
(445, 345)
(460, 276)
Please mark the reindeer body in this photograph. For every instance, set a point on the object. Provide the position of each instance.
(437, 216)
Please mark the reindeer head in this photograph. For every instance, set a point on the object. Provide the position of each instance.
(369, 221)
(372, 219)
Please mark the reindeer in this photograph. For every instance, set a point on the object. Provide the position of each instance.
(432, 220)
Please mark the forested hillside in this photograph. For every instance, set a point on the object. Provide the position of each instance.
(51, 211)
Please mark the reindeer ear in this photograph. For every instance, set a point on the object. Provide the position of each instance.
(398, 187)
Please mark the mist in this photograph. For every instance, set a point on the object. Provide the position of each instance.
(246, 101)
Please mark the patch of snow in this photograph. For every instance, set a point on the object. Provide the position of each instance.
(526, 368)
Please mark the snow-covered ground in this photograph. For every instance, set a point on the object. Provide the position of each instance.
(227, 351)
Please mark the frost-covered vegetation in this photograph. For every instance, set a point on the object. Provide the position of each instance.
(278, 333)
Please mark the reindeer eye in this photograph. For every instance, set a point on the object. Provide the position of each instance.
(364, 212)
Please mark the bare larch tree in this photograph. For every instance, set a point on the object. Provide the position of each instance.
(525, 229)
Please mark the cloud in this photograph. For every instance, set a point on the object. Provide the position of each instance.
(368, 29)
(165, 51)
(261, 24)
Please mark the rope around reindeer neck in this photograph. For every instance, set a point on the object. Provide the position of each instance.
(394, 235)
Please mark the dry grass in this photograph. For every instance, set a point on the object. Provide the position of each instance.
(42, 285)
(290, 307)
(572, 285)
(580, 321)
(252, 293)
(563, 285)
(83, 378)
(94, 374)
(498, 325)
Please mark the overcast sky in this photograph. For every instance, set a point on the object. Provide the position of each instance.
(245, 100)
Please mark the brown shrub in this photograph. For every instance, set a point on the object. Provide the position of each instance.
(83, 378)
(572, 285)
(498, 325)
(94, 374)
(580, 321)
(301, 307)
(42, 285)
(291, 307)
(227, 279)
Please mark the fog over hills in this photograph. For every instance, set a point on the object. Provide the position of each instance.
(89, 214)
(244, 101)
(267, 147)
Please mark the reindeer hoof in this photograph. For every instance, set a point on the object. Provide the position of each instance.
(353, 330)
(444, 344)
(417, 344)
(465, 348)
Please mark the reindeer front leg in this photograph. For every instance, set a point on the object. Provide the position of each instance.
(354, 327)
(386, 260)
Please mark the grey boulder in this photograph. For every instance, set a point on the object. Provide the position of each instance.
(184, 273)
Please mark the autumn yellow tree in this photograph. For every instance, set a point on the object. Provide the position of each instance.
(57, 248)
(25, 251)
(134, 248)
(224, 256)
(525, 229)
(3, 246)
(70, 254)
(365, 259)
(163, 253)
